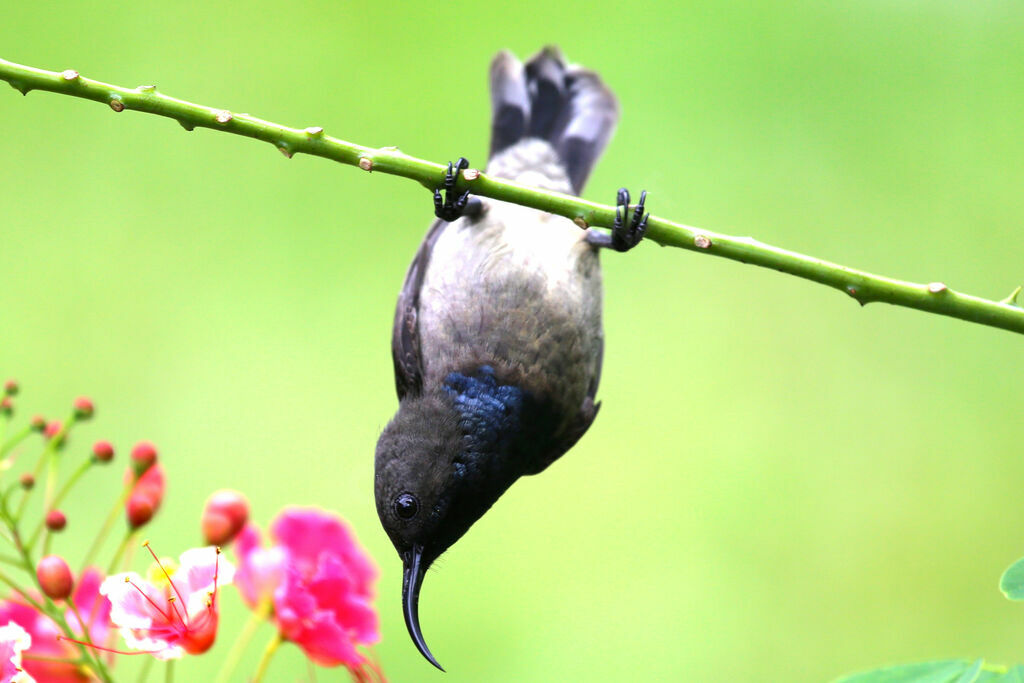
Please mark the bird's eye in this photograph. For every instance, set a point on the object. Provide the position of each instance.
(406, 506)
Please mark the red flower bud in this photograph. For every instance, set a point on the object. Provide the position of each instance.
(11, 387)
(146, 496)
(143, 457)
(139, 511)
(56, 520)
(83, 408)
(27, 481)
(38, 423)
(102, 451)
(55, 577)
(224, 515)
(52, 429)
(6, 405)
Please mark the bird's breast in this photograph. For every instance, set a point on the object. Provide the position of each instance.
(517, 289)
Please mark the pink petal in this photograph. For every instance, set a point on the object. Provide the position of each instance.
(13, 639)
(198, 567)
(307, 532)
(91, 605)
(332, 588)
(324, 641)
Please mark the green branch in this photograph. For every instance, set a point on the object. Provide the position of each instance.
(865, 287)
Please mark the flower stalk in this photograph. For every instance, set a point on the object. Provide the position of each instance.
(268, 653)
(862, 286)
(259, 614)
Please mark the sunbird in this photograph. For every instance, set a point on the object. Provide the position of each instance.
(497, 341)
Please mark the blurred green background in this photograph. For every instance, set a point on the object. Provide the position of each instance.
(781, 485)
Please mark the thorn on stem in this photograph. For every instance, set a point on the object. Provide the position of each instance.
(223, 116)
(936, 287)
(117, 105)
(1012, 299)
(20, 87)
(702, 241)
(69, 75)
(283, 149)
(314, 131)
(366, 163)
(146, 88)
(186, 125)
(471, 174)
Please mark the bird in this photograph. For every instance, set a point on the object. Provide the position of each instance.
(497, 340)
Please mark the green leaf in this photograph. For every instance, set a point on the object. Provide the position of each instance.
(944, 671)
(1012, 583)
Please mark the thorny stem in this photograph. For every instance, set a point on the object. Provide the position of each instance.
(864, 287)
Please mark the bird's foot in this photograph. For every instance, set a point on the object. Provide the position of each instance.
(626, 232)
(453, 206)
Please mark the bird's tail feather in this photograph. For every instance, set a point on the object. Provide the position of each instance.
(566, 105)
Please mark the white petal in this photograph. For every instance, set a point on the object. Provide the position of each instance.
(159, 648)
(129, 608)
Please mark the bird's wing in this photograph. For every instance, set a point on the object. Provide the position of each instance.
(405, 337)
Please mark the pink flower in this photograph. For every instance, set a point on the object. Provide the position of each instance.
(260, 570)
(44, 632)
(321, 583)
(174, 610)
(13, 639)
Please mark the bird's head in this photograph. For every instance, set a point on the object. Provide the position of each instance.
(429, 491)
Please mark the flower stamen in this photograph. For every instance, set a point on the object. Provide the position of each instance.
(216, 574)
(100, 647)
(170, 600)
(164, 614)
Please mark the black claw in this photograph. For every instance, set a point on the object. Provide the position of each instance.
(627, 233)
(451, 207)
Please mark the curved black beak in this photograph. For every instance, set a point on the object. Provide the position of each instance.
(412, 579)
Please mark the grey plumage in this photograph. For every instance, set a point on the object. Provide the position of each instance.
(497, 342)
(566, 105)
